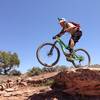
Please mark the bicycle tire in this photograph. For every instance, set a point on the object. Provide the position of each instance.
(88, 57)
(45, 64)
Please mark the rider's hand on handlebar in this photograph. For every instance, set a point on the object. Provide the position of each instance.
(57, 36)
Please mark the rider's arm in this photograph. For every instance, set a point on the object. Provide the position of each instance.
(70, 28)
(62, 32)
(67, 28)
(59, 34)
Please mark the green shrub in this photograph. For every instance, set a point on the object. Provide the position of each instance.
(34, 71)
(15, 72)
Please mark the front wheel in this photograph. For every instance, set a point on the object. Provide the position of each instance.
(48, 54)
(81, 58)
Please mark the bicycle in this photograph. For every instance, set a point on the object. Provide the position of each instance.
(79, 57)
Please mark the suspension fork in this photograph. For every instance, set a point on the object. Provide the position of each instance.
(50, 52)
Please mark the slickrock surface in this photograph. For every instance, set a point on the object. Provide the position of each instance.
(70, 84)
(78, 81)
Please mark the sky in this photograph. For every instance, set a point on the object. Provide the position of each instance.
(25, 24)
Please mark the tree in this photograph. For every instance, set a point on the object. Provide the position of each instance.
(8, 61)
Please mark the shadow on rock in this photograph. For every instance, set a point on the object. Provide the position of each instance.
(58, 95)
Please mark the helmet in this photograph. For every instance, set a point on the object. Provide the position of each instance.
(61, 20)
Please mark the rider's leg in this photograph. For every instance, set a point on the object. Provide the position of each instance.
(71, 45)
(74, 39)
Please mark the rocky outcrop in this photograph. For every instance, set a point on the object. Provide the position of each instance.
(78, 81)
(69, 84)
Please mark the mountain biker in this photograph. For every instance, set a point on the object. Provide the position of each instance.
(72, 28)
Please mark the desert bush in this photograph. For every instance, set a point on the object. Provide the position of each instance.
(34, 71)
(46, 69)
(61, 68)
(15, 72)
(47, 82)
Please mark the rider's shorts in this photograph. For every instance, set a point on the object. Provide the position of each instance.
(76, 36)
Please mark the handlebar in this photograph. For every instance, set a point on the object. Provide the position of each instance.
(56, 37)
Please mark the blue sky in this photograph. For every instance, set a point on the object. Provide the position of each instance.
(25, 24)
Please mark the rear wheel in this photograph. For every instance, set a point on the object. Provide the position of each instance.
(81, 58)
(48, 54)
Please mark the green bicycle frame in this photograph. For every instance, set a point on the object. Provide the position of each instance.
(64, 47)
